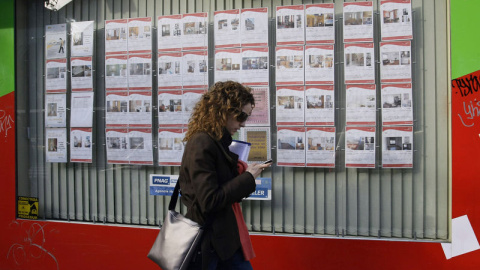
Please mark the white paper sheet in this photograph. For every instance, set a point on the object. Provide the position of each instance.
(255, 68)
(254, 27)
(360, 147)
(359, 63)
(140, 109)
(319, 64)
(82, 79)
(81, 113)
(117, 146)
(320, 147)
(170, 109)
(140, 35)
(189, 99)
(290, 25)
(227, 28)
(56, 145)
(170, 70)
(320, 23)
(396, 19)
(395, 64)
(116, 108)
(289, 65)
(170, 146)
(140, 146)
(116, 72)
(361, 106)
(397, 147)
(140, 72)
(291, 146)
(195, 69)
(116, 37)
(81, 145)
(290, 106)
(82, 38)
(195, 31)
(227, 64)
(397, 104)
(320, 105)
(358, 22)
(463, 238)
(55, 110)
(56, 41)
(56, 79)
(169, 35)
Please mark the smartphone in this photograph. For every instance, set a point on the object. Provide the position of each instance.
(268, 161)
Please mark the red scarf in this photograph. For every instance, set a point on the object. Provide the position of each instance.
(247, 247)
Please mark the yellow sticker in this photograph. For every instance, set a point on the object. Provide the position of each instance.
(28, 207)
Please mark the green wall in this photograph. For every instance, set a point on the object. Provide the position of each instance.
(465, 38)
(7, 56)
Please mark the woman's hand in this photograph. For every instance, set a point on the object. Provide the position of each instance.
(256, 168)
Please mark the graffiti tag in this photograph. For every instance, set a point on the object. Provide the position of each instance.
(466, 85)
(5, 122)
(471, 111)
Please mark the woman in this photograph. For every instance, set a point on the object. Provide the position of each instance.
(210, 181)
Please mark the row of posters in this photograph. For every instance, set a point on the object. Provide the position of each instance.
(316, 147)
(131, 36)
(315, 23)
(81, 40)
(315, 105)
(57, 145)
(314, 64)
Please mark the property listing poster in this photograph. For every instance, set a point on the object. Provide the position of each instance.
(259, 138)
(397, 147)
(140, 35)
(190, 97)
(116, 114)
(81, 111)
(320, 147)
(169, 70)
(320, 108)
(170, 109)
(261, 113)
(81, 145)
(81, 79)
(290, 25)
(361, 105)
(291, 146)
(170, 146)
(116, 37)
(359, 63)
(117, 146)
(320, 23)
(319, 64)
(169, 36)
(56, 41)
(195, 69)
(140, 109)
(227, 64)
(140, 72)
(56, 79)
(56, 142)
(140, 148)
(290, 106)
(227, 28)
(395, 66)
(116, 72)
(82, 38)
(55, 110)
(397, 104)
(360, 147)
(358, 22)
(195, 31)
(255, 68)
(254, 27)
(396, 19)
(289, 65)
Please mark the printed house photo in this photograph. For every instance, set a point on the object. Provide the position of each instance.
(52, 144)
(321, 143)
(235, 23)
(165, 30)
(286, 21)
(116, 70)
(117, 143)
(353, 18)
(52, 109)
(250, 24)
(77, 38)
(286, 102)
(117, 106)
(77, 141)
(136, 143)
(393, 143)
(360, 143)
(223, 64)
(315, 20)
(139, 106)
(291, 143)
(390, 58)
(140, 69)
(392, 101)
(315, 102)
(355, 59)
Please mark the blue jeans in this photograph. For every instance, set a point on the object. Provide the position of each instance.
(236, 262)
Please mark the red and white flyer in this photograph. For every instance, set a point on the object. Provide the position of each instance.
(358, 22)
(56, 79)
(255, 68)
(170, 70)
(116, 114)
(140, 109)
(140, 146)
(254, 27)
(289, 65)
(360, 147)
(116, 73)
(195, 31)
(226, 25)
(81, 145)
(169, 35)
(116, 32)
(117, 146)
(195, 69)
(359, 63)
(170, 109)
(396, 19)
(320, 108)
(397, 147)
(290, 25)
(320, 147)
(140, 72)
(291, 146)
(56, 142)
(140, 35)
(319, 64)
(81, 79)
(170, 146)
(361, 105)
(397, 104)
(290, 105)
(395, 64)
(227, 64)
(320, 23)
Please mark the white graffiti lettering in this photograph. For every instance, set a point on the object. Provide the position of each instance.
(6, 122)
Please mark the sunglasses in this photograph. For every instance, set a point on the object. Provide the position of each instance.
(242, 117)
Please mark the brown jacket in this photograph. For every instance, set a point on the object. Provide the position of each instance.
(208, 176)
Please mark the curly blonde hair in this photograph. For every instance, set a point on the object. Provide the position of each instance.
(211, 112)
